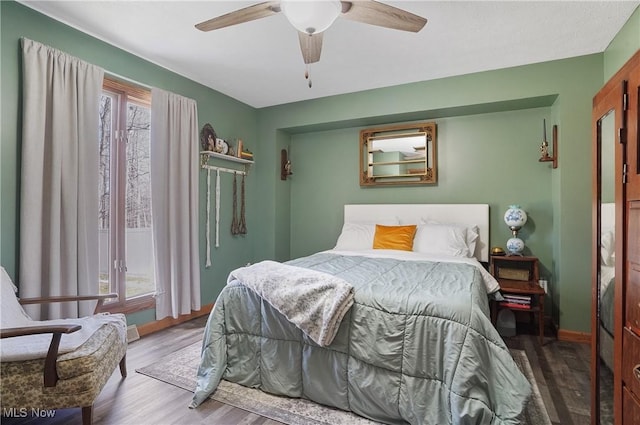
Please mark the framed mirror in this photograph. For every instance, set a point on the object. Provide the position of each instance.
(398, 155)
(606, 277)
(603, 265)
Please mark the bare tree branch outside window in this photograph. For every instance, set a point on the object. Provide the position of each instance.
(104, 151)
(138, 191)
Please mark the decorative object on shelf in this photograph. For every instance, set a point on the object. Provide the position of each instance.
(222, 146)
(544, 147)
(246, 154)
(496, 250)
(515, 218)
(285, 165)
(239, 148)
(208, 138)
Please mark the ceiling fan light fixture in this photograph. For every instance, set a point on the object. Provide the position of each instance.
(311, 17)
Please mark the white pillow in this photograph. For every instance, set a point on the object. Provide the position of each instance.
(472, 233)
(359, 236)
(448, 239)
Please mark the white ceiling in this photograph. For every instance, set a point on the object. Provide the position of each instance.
(260, 64)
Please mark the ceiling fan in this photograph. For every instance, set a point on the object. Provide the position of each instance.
(311, 18)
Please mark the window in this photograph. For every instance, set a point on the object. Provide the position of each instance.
(124, 196)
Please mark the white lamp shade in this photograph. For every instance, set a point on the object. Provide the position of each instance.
(311, 17)
(515, 217)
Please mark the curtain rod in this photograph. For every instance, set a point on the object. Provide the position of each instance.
(112, 74)
(129, 80)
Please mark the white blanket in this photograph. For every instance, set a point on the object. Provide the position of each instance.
(31, 347)
(314, 301)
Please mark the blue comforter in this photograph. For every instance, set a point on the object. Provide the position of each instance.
(417, 346)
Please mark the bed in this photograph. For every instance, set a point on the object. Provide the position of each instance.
(414, 344)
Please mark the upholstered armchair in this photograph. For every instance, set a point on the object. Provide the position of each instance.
(56, 364)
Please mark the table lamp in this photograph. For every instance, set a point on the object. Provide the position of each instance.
(515, 218)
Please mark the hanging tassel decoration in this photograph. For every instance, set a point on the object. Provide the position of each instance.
(207, 263)
(242, 226)
(217, 208)
(234, 220)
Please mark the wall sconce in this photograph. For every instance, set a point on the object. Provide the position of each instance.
(285, 165)
(544, 147)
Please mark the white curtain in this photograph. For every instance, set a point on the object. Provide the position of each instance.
(174, 202)
(59, 204)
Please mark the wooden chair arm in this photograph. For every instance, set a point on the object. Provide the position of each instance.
(50, 370)
(67, 298)
(35, 330)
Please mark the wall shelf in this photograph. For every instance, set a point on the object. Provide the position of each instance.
(205, 155)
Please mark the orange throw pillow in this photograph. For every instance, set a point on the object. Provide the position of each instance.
(394, 237)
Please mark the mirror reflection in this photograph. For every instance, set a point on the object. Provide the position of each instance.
(398, 155)
(606, 243)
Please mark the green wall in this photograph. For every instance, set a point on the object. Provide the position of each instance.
(623, 45)
(230, 118)
(492, 148)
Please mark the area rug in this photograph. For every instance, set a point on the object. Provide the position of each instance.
(180, 367)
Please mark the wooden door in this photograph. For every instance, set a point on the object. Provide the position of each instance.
(615, 108)
(629, 389)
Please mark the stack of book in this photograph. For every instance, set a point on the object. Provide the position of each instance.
(517, 301)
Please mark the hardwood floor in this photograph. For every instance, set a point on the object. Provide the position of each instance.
(561, 370)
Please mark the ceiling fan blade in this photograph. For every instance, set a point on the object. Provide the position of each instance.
(375, 13)
(311, 46)
(250, 13)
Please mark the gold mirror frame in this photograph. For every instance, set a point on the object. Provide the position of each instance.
(402, 154)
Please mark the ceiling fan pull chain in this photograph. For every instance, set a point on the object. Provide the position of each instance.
(306, 74)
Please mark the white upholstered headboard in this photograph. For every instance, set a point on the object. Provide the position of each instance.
(470, 214)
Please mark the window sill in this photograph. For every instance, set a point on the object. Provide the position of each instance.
(133, 305)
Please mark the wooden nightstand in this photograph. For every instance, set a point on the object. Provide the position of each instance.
(518, 278)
